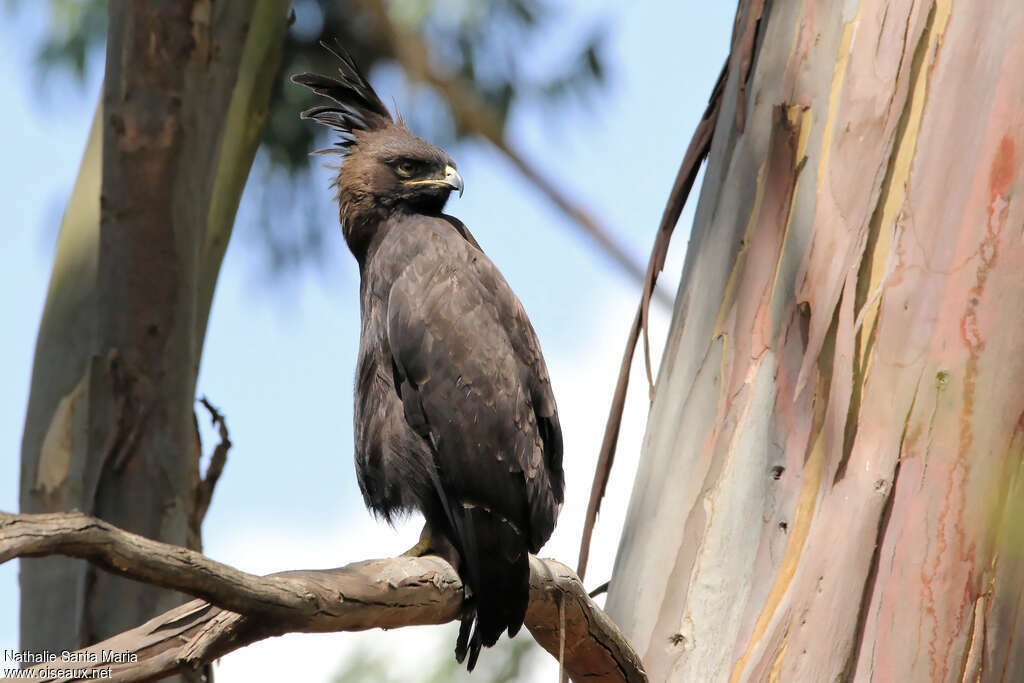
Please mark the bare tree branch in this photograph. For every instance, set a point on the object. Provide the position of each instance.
(219, 458)
(242, 608)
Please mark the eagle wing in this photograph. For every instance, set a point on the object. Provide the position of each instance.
(473, 382)
(473, 386)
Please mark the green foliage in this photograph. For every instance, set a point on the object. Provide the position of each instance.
(76, 27)
(482, 42)
(506, 662)
(486, 44)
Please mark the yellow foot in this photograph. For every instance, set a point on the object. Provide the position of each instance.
(423, 547)
(419, 550)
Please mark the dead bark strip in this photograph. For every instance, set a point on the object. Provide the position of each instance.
(736, 71)
(237, 608)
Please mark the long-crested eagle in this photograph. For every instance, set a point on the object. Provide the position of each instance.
(454, 413)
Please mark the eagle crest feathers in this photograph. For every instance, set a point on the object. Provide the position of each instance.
(357, 106)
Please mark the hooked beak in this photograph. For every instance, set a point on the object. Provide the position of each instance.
(451, 180)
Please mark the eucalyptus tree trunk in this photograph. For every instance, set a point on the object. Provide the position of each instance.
(832, 483)
(110, 427)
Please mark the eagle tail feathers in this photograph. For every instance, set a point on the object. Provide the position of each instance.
(493, 553)
(496, 565)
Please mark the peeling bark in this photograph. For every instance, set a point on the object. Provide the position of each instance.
(831, 474)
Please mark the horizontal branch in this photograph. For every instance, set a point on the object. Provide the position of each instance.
(136, 557)
(238, 608)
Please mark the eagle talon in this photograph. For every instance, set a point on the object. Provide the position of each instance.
(421, 548)
(428, 545)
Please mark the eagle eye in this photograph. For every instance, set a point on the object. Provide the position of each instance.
(407, 168)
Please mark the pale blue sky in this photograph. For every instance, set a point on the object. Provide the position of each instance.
(279, 358)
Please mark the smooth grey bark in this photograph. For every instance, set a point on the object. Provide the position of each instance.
(109, 428)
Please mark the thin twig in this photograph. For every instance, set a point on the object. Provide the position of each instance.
(204, 494)
(561, 642)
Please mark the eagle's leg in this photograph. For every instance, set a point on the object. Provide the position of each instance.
(424, 546)
(432, 543)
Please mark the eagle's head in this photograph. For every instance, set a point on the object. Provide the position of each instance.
(385, 167)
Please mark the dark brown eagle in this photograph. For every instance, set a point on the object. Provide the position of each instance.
(454, 413)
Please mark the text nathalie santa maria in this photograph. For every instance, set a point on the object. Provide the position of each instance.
(68, 656)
